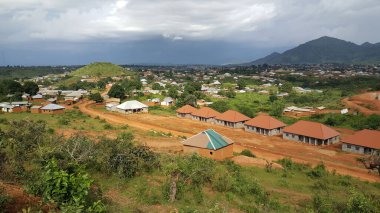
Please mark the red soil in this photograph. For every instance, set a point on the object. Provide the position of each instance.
(270, 148)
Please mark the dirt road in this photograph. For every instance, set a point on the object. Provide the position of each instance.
(270, 148)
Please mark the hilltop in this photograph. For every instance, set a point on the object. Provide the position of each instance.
(99, 69)
(326, 50)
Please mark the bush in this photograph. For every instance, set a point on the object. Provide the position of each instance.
(64, 121)
(248, 153)
(318, 171)
(107, 126)
(3, 121)
(288, 164)
(3, 199)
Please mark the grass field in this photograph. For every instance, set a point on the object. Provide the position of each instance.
(290, 190)
(71, 119)
(99, 69)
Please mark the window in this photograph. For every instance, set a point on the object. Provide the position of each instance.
(348, 146)
(357, 148)
(210, 153)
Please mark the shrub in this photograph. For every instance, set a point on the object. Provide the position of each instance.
(107, 126)
(3, 199)
(64, 121)
(3, 121)
(288, 164)
(358, 202)
(248, 153)
(318, 171)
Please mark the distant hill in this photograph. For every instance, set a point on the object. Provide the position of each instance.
(99, 69)
(325, 50)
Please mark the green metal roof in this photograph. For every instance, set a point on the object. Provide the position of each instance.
(216, 140)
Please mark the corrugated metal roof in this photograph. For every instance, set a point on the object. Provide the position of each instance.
(52, 107)
(128, 105)
(208, 139)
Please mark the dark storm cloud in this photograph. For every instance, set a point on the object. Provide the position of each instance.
(193, 31)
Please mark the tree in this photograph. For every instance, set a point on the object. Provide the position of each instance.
(286, 87)
(173, 92)
(241, 84)
(230, 93)
(96, 97)
(272, 98)
(277, 108)
(30, 88)
(156, 86)
(372, 162)
(116, 91)
(220, 106)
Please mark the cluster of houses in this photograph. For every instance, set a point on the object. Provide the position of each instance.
(44, 102)
(313, 133)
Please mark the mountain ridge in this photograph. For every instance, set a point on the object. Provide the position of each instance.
(325, 50)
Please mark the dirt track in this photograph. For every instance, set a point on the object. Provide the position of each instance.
(270, 148)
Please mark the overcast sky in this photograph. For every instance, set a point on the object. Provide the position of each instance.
(41, 32)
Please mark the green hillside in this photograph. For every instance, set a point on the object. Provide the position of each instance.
(99, 69)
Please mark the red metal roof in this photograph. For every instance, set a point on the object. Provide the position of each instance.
(232, 116)
(311, 129)
(187, 109)
(367, 138)
(265, 122)
(205, 112)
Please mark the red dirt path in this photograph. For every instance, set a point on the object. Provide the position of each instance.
(270, 148)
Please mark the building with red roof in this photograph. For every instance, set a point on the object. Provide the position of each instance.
(363, 142)
(265, 125)
(205, 114)
(185, 111)
(311, 133)
(231, 118)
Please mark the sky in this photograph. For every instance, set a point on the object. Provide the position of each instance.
(69, 32)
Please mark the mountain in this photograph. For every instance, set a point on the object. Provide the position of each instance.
(326, 50)
(99, 69)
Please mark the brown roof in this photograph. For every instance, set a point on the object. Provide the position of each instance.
(265, 121)
(232, 116)
(205, 112)
(311, 129)
(366, 138)
(187, 109)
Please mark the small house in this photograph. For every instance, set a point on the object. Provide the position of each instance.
(311, 132)
(38, 98)
(209, 144)
(231, 118)
(185, 111)
(205, 114)
(362, 142)
(265, 125)
(133, 106)
(168, 101)
(6, 107)
(52, 109)
(35, 109)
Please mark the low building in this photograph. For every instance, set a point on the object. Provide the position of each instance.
(265, 125)
(209, 144)
(133, 106)
(205, 114)
(38, 98)
(231, 118)
(5, 107)
(168, 101)
(52, 109)
(35, 109)
(185, 111)
(311, 133)
(362, 142)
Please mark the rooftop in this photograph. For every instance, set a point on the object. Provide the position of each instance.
(205, 112)
(208, 139)
(311, 129)
(367, 138)
(232, 116)
(265, 122)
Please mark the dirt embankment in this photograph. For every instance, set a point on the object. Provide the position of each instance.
(366, 103)
(267, 147)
